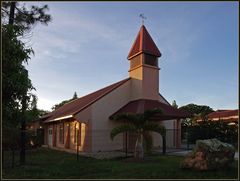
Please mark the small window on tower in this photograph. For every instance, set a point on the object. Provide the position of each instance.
(150, 60)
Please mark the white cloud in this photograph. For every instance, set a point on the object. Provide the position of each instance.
(75, 37)
(45, 104)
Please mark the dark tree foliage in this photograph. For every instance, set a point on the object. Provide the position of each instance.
(33, 113)
(214, 129)
(15, 80)
(26, 18)
(17, 97)
(56, 106)
(16, 84)
(197, 112)
(197, 109)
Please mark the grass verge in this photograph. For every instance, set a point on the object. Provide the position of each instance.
(45, 163)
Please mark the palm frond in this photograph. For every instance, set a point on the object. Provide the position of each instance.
(126, 117)
(121, 129)
(155, 127)
(149, 113)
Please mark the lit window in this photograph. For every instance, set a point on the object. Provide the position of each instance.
(77, 134)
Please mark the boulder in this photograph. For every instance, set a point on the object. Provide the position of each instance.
(210, 154)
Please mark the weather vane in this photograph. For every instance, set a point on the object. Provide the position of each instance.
(143, 17)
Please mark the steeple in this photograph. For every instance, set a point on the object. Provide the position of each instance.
(144, 70)
(143, 44)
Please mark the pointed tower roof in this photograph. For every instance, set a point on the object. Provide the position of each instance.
(143, 44)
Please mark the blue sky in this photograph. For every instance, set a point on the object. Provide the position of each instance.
(86, 45)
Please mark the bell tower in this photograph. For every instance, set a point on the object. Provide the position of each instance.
(144, 69)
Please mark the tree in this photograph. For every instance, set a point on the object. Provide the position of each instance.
(17, 21)
(174, 104)
(16, 86)
(75, 96)
(56, 106)
(197, 109)
(32, 112)
(197, 112)
(25, 18)
(141, 125)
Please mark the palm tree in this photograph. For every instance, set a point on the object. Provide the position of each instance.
(141, 125)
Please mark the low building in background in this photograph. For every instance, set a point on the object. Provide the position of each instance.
(230, 116)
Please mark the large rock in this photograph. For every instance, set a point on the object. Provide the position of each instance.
(209, 154)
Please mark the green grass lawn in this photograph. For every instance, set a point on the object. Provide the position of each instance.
(46, 163)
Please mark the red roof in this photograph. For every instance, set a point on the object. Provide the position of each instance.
(141, 105)
(223, 113)
(81, 103)
(143, 44)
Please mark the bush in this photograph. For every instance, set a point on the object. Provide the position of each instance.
(213, 129)
(34, 139)
(10, 138)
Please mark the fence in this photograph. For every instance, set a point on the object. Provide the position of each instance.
(191, 134)
(176, 139)
(11, 144)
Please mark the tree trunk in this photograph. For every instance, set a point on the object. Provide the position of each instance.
(23, 132)
(139, 152)
(11, 16)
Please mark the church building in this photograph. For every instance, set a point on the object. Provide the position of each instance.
(86, 122)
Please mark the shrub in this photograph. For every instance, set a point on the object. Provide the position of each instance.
(213, 129)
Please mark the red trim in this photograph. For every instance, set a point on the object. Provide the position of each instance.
(144, 65)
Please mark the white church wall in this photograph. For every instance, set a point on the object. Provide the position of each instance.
(101, 125)
(169, 125)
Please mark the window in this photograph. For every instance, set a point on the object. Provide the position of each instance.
(75, 133)
(50, 131)
(150, 60)
(61, 133)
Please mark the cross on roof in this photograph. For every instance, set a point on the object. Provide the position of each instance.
(143, 17)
